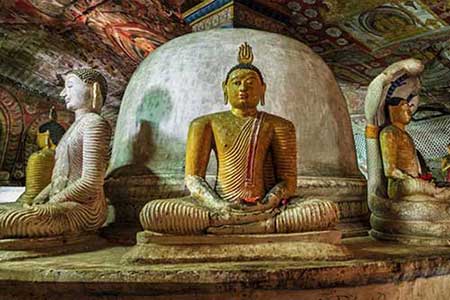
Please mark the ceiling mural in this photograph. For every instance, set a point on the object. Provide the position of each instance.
(358, 39)
(41, 40)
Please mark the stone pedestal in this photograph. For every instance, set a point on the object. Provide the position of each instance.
(23, 248)
(154, 248)
(377, 271)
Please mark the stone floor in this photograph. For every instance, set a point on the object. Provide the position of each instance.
(379, 271)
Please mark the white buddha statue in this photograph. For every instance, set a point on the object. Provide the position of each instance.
(74, 201)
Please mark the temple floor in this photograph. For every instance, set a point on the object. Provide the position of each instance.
(378, 271)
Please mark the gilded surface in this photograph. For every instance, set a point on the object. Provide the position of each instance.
(40, 164)
(445, 165)
(38, 174)
(256, 176)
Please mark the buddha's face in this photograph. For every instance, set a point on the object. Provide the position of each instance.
(42, 138)
(75, 93)
(400, 113)
(244, 89)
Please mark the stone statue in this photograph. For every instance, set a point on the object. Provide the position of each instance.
(40, 164)
(256, 178)
(74, 201)
(405, 205)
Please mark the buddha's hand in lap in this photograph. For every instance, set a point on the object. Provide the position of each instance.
(270, 201)
(37, 201)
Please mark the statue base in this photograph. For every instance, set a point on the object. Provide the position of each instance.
(154, 248)
(22, 248)
(376, 271)
(410, 239)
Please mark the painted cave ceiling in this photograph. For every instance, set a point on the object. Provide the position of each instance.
(40, 40)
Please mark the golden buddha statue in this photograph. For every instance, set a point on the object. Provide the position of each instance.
(400, 162)
(256, 178)
(74, 201)
(40, 164)
(406, 206)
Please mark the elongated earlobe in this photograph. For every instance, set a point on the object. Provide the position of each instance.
(225, 94)
(96, 96)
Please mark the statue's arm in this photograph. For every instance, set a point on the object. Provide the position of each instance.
(198, 150)
(388, 143)
(445, 166)
(42, 197)
(96, 140)
(284, 151)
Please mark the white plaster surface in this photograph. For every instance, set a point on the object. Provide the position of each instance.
(182, 79)
(10, 193)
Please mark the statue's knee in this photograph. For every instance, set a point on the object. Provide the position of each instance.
(150, 213)
(173, 216)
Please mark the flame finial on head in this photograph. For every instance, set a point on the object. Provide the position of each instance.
(245, 55)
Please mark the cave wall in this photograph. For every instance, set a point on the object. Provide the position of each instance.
(21, 114)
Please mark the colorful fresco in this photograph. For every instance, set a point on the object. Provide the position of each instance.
(20, 116)
(41, 40)
(358, 39)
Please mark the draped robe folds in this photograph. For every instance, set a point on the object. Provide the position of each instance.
(252, 160)
(399, 152)
(75, 199)
(238, 170)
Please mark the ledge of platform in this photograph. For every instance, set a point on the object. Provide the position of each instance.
(23, 248)
(389, 271)
(154, 248)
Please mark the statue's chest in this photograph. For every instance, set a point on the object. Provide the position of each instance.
(235, 135)
(406, 145)
(70, 145)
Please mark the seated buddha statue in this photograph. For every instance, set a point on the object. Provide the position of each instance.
(74, 201)
(406, 206)
(256, 179)
(40, 164)
(400, 161)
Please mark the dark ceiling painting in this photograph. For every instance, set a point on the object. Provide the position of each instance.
(360, 44)
(358, 39)
(40, 40)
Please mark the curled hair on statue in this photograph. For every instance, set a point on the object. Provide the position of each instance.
(244, 67)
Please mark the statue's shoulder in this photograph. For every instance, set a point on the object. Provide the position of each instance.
(41, 154)
(279, 122)
(389, 130)
(207, 119)
(390, 134)
(93, 119)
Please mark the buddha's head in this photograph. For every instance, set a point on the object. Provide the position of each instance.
(50, 133)
(244, 85)
(398, 110)
(84, 89)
